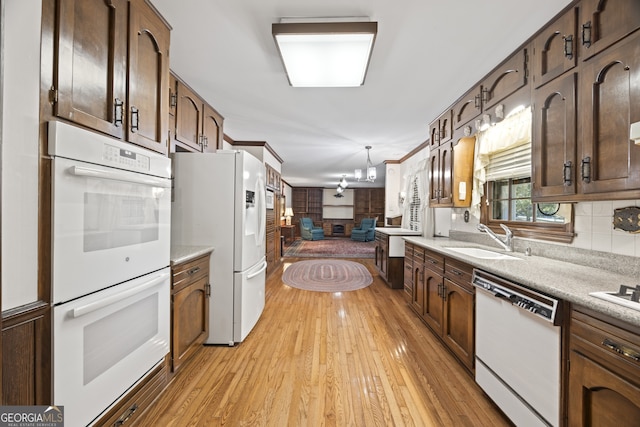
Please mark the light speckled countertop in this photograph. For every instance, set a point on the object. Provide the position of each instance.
(181, 254)
(565, 280)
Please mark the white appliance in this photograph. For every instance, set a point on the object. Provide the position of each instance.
(219, 201)
(111, 207)
(518, 350)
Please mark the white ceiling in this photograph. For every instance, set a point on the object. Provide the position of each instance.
(426, 55)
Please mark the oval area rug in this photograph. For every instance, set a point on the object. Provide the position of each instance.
(327, 275)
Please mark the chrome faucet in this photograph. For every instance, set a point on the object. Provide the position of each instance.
(508, 238)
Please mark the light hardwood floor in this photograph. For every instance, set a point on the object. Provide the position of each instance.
(359, 358)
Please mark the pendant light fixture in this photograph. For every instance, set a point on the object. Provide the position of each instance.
(370, 170)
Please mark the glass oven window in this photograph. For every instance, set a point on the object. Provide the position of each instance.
(112, 338)
(117, 220)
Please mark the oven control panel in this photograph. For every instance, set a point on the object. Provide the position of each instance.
(125, 159)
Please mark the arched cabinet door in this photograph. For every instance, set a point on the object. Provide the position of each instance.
(212, 129)
(92, 64)
(148, 77)
(554, 139)
(188, 117)
(610, 90)
(554, 49)
(604, 22)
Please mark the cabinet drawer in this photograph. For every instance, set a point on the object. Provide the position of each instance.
(418, 255)
(433, 261)
(459, 272)
(189, 272)
(612, 345)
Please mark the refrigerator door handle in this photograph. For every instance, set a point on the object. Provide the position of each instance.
(262, 210)
(263, 267)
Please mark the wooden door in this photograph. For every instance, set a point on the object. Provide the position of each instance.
(600, 397)
(554, 139)
(604, 22)
(510, 76)
(212, 133)
(190, 319)
(408, 270)
(467, 108)
(188, 117)
(148, 78)
(434, 177)
(457, 325)
(92, 64)
(554, 49)
(432, 313)
(417, 293)
(610, 90)
(445, 197)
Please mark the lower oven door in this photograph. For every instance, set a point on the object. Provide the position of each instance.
(107, 341)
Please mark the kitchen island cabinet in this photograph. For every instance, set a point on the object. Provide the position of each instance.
(604, 372)
(389, 254)
(190, 293)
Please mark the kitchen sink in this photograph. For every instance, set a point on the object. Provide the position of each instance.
(482, 253)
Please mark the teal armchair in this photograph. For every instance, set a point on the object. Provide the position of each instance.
(366, 232)
(308, 231)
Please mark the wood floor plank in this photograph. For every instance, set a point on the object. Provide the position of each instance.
(358, 358)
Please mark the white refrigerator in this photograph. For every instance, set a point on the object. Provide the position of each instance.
(219, 201)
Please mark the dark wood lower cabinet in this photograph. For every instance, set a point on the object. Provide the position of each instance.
(604, 373)
(190, 293)
(443, 296)
(26, 355)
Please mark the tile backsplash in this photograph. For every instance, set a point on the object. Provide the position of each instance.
(593, 225)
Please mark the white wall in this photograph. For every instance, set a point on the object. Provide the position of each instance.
(19, 143)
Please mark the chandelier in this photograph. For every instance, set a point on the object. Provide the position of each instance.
(342, 185)
(370, 170)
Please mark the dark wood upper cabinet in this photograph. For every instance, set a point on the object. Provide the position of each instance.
(211, 129)
(92, 64)
(148, 78)
(604, 22)
(441, 130)
(506, 79)
(554, 138)
(609, 104)
(189, 108)
(467, 108)
(198, 126)
(440, 175)
(554, 49)
(112, 69)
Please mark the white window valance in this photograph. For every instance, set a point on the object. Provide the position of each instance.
(502, 151)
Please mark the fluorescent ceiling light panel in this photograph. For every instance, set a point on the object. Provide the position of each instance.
(325, 54)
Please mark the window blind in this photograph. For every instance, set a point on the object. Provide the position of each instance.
(514, 162)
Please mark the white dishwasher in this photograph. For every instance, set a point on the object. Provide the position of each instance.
(518, 350)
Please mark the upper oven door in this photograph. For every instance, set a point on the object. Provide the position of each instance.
(109, 226)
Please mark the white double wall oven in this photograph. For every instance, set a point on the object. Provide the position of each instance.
(111, 218)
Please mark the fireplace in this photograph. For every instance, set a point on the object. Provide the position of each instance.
(337, 230)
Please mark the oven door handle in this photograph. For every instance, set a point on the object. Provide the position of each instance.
(120, 176)
(94, 306)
